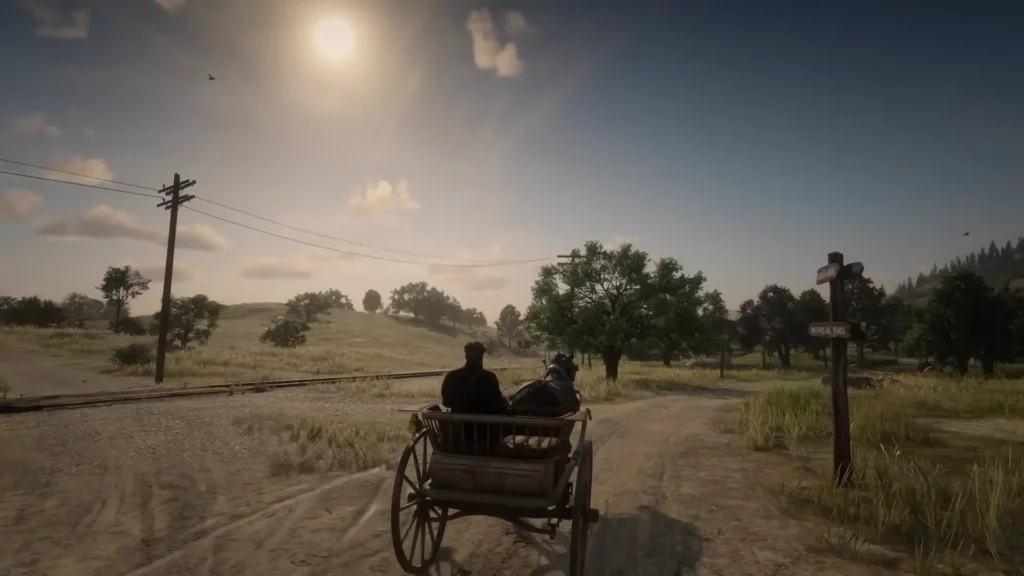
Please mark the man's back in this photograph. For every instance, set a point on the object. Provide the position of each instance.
(474, 390)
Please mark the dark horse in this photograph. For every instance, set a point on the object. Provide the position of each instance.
(553, 395)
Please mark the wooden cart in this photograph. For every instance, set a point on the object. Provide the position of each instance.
(516, 468)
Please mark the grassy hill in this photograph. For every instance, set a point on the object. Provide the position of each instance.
(346, 342)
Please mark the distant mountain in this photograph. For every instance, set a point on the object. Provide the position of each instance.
(998, 266)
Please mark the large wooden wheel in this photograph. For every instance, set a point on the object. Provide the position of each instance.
(412, 515)
(581, 510)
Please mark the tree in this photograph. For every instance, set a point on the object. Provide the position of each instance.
(372, 301)
(865, 303)
(811, 307)
(675, 311)
(309, 305)
(774, 311)
(423, 302)
(750, 334)
(474, 318)
(898, 319)
(193, 320)
(965, 319)
(79, 308)
(285, 333)
(32, 311)
(119, 287)
(508, 323)
(600, 299)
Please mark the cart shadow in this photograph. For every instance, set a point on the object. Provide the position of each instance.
(648, 542)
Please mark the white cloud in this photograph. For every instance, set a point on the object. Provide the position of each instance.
(15, 205)
(51, 22)
(384, 197)
(155, 272)
(488, 52)
(33, 124)
(517, 25)
(275, 269)
(89, 170)
(106, 223)
(478, 279)
(171, 6)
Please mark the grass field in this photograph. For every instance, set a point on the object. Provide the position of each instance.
(346, 342)
(938, 470)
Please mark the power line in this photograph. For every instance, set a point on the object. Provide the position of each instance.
(240, 211)
(80, 184)
(361, 255)
(288, 238)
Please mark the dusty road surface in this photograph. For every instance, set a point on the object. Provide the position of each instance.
(173, 488)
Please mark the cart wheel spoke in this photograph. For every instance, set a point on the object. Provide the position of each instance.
(415, 487)
(416, 467)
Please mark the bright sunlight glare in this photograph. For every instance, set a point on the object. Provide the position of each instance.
(333, 38)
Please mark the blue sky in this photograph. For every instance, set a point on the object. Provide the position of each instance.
(746, 139)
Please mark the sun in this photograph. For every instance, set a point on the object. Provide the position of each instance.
(333, 38)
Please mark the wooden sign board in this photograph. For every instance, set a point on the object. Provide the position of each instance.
(829, 329)
(828, 273)
(853, 270)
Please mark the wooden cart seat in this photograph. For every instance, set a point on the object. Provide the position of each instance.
(532, 447)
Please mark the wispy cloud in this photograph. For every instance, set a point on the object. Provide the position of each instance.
(16, 205)
(517, 25)
(489, 53)
(106, 223)
(171, 6)
(385, 197)
(32, 124)
(482, 279)
(88, 170)
(53, 22)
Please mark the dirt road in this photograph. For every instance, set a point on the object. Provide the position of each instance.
(676, 495)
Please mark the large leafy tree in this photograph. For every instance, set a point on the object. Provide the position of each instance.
(119, 287)
(811, 307)
(372, 301)
(509, 322)
(775, 313)
(78, 307)
(865, 303)
(676, 311)
(30, 311)
(600, 299)
(193, 320)
(309, 305)
(965, 318)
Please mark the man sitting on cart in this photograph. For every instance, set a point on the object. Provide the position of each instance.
(475, 390)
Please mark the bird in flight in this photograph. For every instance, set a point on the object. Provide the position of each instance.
(211, 76)
(968, 233)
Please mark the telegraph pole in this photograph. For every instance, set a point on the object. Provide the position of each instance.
(174, 200)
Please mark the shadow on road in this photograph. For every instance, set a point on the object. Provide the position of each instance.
(648, 543)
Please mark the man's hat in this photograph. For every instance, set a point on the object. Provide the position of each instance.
(475, 347)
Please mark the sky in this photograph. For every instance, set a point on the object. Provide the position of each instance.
(745, 139)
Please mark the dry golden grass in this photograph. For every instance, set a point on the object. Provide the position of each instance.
(950, 500)
(345, 342)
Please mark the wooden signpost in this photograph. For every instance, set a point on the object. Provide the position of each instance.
(839, 331)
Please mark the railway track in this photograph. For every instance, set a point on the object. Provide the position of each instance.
(71, 401)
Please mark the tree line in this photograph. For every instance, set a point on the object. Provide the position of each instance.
(996, 266)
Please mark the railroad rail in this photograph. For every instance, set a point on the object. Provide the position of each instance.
(106, 397)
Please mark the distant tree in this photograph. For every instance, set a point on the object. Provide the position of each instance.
(966, 319)
(372, 301)
(119, 287)
(307, 306)
(6, 305)
(193, 320)
(775, 312)
(474, 318)
(452, 310)
(865, 303)
(750, 333)
(79, 308)
(811, 307)
(133, 326)
(285, 333)
(898, 317)
(422, 301)
(508, 323)
(32, 311)
(675, 311)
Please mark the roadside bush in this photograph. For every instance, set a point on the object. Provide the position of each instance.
(136, 354)
(131, 326)
(285, 333)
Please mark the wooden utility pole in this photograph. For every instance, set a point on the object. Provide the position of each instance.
(172, 203)
(839, 331)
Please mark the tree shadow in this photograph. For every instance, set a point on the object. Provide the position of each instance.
(646, 543)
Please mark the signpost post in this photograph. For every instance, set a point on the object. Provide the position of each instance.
(839, 331)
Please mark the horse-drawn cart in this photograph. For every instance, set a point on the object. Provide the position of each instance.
(515, 468)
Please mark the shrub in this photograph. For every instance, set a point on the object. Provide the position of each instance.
(136, 354)
(4, 387)
(285, 333)
(131, 326)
